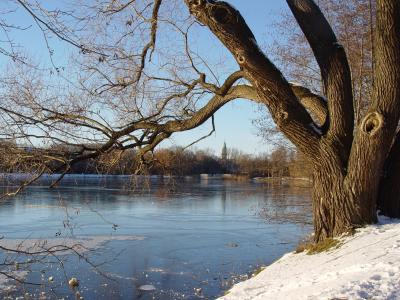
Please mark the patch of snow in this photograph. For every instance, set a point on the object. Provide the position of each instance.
(147, 287)
(80, 244)
(366, 266)
(156, 270)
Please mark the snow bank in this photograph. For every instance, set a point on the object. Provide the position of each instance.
(366, 266)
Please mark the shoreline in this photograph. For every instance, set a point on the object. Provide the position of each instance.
(365, 266)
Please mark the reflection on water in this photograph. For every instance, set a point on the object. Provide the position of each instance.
(197, 236)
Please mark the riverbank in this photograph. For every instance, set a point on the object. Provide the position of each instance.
(292, 181)
(365, 266)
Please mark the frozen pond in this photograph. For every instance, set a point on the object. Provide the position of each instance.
(187, 240)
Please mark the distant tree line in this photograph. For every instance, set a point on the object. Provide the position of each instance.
(174, 161)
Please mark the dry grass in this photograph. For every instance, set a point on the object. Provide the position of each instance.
(314, 248)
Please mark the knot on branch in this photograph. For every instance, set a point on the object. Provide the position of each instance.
(240, 59)
(197, 3)
(282, 116)
(221, 13)
(196, 7)
(371, 123)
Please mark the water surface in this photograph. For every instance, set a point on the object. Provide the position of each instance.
(188, 240)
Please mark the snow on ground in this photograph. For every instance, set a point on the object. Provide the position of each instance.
(366, 266)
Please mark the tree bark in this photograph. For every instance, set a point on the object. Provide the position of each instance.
(337, 208)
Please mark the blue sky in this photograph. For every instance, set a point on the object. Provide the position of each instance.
(234, 121)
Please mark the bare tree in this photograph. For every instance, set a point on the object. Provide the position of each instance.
(132, 93)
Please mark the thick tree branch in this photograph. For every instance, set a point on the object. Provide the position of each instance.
(315, 104)
(335, 72)
(377, 129)
(216, 102)
(387, 59)
(272, 88)
(376, 132)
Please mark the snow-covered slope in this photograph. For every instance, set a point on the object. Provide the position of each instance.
(366, 266)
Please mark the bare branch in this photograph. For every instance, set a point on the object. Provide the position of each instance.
(58, 33)
(152, 43)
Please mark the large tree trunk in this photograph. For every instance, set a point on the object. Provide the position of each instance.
(389, 189)
(332, 206)
(337, 208)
